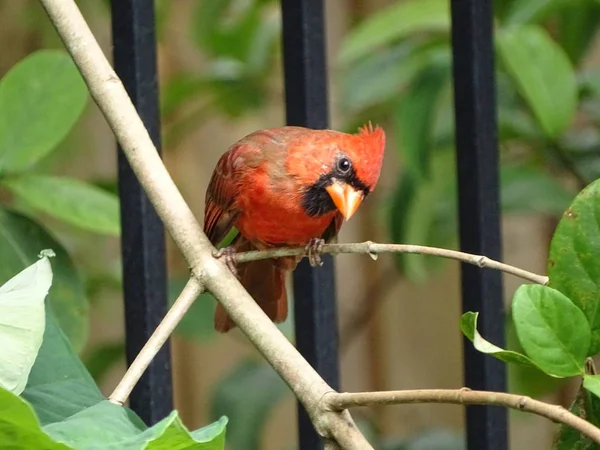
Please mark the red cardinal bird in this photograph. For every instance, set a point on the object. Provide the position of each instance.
(288, 186)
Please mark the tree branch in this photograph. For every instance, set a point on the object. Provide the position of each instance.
(340, 401)
(165, 328)
(112, 99)
(373, 249)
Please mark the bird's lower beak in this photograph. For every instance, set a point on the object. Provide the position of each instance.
(346, 198)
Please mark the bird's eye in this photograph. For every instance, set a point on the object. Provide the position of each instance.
(344, 165)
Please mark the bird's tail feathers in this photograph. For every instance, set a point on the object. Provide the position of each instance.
(265, 282)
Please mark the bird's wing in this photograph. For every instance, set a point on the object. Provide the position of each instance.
(220, 213)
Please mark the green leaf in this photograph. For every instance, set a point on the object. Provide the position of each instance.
(592, 384)
(415, 114)
(392, 23)
(59, 385)
(586, 406)
(543, 74)
(552, 330)
(72, 409)
(41, 98)
(468, 326)
(528, 11)
(108, 426)
(247, 396)
(545, 193)
(19, 427)
(577, 25)
(20, 241)
(573, 266)
(103, 357)
(75, 202)
(22, 323)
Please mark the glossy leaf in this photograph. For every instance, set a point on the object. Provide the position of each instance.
(247, 396)
(41, 98)
(22, 322)
(573, 265)
(552, 330)
(395, 22)
(75, 202)
(468, 326)
(20, 242)
(592, 384)
(543, 74)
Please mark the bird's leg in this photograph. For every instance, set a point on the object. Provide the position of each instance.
(229, 254)
(313, 251)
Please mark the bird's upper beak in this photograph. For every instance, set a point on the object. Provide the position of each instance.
(346, 198)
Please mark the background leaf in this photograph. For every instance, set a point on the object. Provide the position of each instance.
(397, 21)
(573, 265)
(246, 396)
(75, 202)
(41, 98)
(22, 323)
(20, 242)
(551, 329)
(543, 74)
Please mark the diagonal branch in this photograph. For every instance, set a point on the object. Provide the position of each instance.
(112, 99)
(374, 249)
(341, 401)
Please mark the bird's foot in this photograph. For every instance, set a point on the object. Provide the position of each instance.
(229, 254)
(313, 251)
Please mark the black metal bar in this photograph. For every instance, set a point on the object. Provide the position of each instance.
(142, 240)
(305, 71)
(479, 209)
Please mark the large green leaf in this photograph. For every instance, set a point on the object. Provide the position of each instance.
(573, 265)
(468, 326)
(392, 23)
(72, 409)
(59, 384)
(21, 240)
(543, 74)
(22, 322)
(41, 98)
(247, 395)
(19, 427)
(81, 204)
(552, 330)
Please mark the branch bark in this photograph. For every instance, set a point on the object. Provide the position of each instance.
(374, 249)
(112, 99)
(340, 401)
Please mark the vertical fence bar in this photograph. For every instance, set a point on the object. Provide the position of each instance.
(305, 72)
(479, 209)
(142, 240)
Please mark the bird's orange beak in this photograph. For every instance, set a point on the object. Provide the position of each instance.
(346, 198)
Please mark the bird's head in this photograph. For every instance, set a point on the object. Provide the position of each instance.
(338, 170)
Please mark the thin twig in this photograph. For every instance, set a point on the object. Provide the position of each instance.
(109, 94)
(190, 292)
(374, 249)
(341, 401)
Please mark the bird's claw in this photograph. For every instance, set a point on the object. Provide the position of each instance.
(229, 254)
(313, 251)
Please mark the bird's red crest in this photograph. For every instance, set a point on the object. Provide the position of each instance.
(370, 153)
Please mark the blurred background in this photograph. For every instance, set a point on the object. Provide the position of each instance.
(389, 62)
